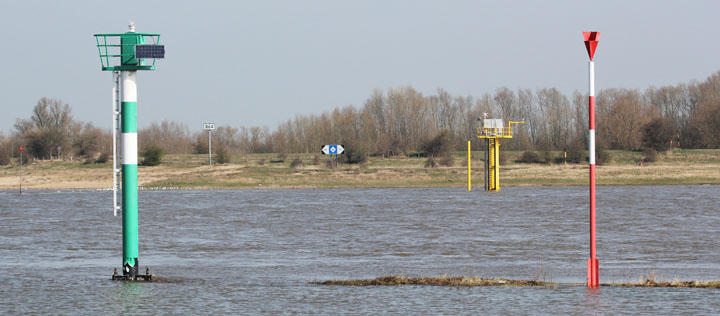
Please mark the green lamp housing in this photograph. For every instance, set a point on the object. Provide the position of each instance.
(129, 51)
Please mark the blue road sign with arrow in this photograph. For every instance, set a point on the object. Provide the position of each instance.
(333, 149)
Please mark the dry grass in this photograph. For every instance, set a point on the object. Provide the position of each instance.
(391, 280)
(244, 171)
(653, 174)
(651, 280)
(655, 280)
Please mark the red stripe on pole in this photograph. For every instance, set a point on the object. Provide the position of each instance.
(596, 273)
(593, 277)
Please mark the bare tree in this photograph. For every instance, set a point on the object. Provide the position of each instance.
(401, 119)
(580, 103)
(621, 115)
(705, 121)
(50, 126)
(557, 117)
(171, 137)
(88, 141)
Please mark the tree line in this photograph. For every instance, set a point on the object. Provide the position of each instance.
(401, 120)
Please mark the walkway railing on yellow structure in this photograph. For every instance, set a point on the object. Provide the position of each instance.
(497, 132)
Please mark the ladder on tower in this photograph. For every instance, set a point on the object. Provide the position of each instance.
(493, 165)
(116, 141)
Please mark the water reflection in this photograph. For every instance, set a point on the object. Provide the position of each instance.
(594, 300)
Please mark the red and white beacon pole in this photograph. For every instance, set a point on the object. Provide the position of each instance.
(591, 41)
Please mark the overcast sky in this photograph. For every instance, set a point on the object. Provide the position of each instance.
(246, 63)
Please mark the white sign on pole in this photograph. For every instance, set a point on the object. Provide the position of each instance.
(333, 149)
(209, 127)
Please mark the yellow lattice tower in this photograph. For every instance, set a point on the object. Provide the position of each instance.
(492, 130)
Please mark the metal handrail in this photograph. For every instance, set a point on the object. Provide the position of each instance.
(105, 55)
(495, 132)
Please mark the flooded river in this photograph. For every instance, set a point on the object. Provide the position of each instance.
(256, 252)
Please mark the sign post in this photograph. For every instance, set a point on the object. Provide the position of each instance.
(591, 41)
(333, 151)
(209, 127)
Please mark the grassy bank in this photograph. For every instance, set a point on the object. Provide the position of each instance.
(478, 281)
(653, 279)
(678, 167)
(391, 280)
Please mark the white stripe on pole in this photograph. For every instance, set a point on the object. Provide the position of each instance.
(592, 78)
(592, 146)
(129, 150)
(129, 86)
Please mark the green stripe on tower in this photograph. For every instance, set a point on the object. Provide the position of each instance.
(129, 117)
(130, 214)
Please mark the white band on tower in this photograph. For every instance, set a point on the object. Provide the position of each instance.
(592, 146)
(591, 66)
(129, 86)
(129, 149)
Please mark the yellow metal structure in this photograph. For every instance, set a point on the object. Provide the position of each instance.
(492, 135)
(469, 172)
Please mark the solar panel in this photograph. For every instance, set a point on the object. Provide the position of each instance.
(149, 51)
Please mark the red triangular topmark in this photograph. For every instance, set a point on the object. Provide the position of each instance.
(590, 46)
(591, 41)
(591, 36)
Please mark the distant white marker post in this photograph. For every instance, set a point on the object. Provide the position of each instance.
(209, 127)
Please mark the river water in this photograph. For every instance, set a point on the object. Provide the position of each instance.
(256, 252)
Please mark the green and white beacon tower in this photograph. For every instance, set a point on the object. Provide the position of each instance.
(124, 54)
